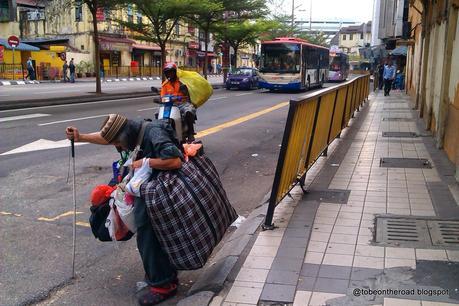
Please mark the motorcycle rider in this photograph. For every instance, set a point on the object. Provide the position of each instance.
(181, 97)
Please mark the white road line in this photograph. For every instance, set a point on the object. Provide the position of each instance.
(30, 116)
(67, 105)
(69, 120)
(244, 94)
(218, 98)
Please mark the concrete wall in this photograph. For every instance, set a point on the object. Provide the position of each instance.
(441, 109)
(452, 128)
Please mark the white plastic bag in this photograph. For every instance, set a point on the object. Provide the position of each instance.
(124, 203)
(140, 176)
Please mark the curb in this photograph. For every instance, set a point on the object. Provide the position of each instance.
(71, 100)
(18, 82)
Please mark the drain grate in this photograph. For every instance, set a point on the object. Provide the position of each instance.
(397, 119)
(444, 232)
(395, 162)
(337, 196)
(409, 232)
(417, 232)
(399, 134)
(397, 108)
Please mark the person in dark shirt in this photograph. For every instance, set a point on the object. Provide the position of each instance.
(160, 148)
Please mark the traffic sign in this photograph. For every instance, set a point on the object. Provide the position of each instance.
(13, 41)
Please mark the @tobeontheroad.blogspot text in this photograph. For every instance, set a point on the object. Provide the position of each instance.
(400, 292)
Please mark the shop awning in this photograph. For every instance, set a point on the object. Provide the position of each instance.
(20, 47)
(146, 47)
(402, 50)
(120, 40)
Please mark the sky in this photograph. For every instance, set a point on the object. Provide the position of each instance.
(338, 10)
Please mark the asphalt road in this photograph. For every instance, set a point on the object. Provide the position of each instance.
(35, 197)
(65, 90)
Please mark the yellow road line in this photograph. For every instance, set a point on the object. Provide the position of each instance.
(85, 224)
(4, 213)
(69, 213)
(240, 120)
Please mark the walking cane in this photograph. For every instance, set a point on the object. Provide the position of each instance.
(74, 207)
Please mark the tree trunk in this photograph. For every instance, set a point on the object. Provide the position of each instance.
(96, 48)
(235, 56)
(206, 42)
(163, 59)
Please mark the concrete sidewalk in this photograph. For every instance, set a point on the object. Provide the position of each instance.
(331, 246)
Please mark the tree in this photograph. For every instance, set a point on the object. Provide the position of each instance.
(94, 6)
(56, 8)
(241, 34)
(205, 14)
(162, 15)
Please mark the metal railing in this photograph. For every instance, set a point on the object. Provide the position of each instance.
(12, 72)
(313, 122)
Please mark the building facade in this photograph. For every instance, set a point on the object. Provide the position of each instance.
(433, 70)
(56, 27)
(353, 38)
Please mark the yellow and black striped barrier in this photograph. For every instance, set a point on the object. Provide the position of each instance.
(313, 122)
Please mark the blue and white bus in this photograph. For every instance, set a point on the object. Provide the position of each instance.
(292, 64)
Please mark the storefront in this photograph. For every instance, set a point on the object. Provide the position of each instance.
(115, 51)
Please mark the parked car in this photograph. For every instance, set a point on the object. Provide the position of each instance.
(243, 78)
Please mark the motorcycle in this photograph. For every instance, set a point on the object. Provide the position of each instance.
(182, 125)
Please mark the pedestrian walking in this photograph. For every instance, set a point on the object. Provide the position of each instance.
(376, 79)
(65, 67)
(30, 70)
(381, 75)
(389, 76)
(72, 71)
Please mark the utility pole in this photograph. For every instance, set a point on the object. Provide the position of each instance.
(310, 16)
(293, 15)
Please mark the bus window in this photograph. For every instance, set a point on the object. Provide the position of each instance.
(282, 57)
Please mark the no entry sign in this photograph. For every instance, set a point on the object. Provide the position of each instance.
(13, 41)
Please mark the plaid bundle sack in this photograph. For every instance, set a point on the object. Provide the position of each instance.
(189, 211)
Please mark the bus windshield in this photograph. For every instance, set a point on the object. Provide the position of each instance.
(335, 63)
(281, 58)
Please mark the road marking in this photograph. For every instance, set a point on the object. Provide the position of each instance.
(67, 105)
(145, 109)
(42, 144)
(218, 98)
(4, 213)
(66, 214)
(85, 224)
(240, 120)
(13, 118)
(244, 94)
(69, 120)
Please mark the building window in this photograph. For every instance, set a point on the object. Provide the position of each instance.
(361, 35)
(130, 15)
(177, 29)
(78, 11)
(351, 37)
(344, 37)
